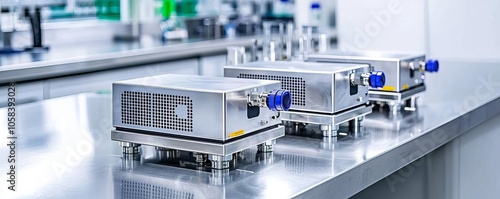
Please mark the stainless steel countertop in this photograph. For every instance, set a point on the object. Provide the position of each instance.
(64, 149)
(102, 55)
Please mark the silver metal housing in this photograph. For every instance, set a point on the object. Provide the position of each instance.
(401, 70)
(321, 91)
(315, 87)
(213, 108)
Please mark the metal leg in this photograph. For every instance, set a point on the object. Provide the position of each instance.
(297, 126)
(130, 148)
(266, 146)
(200, 158)
(411, 104)
(394, 108)
(378, 106)
(355, 126)
(329, 130)
(166, 154)
(220, 162)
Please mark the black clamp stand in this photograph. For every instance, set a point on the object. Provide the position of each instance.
(36, 30)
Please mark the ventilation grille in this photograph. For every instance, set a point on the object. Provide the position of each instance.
(157, 110)
(173, 112)
(137, 190)
(136, 108)
(296, 85)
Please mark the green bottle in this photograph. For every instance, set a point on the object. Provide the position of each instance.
(168, 8)
(188, 8)
(108, 9)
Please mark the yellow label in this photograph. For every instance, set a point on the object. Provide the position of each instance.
(236, 133)
(405, 86)
(389, 88)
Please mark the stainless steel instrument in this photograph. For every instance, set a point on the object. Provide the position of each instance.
(405, 74)
(324, 93)
(211, 116)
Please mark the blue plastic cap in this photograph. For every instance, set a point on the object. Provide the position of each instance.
(280, 100)
(286, 100)
(432, 65)
(315, 5)
(377, 79)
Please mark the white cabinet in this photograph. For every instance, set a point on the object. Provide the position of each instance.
(101, 81)
(212, 65)
(25, 92)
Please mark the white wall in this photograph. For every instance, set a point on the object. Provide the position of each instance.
(303, 8)
(381, 25)
(458, 30)
(465, 30)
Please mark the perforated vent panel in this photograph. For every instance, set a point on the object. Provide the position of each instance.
(157, 110)
(136, 108)
(296, 85)
(173, 112)
(137, 190)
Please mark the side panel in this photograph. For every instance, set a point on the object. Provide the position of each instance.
(310, 91)
(407, 81)
(343, 98)
(237, 121)
(390, 68)
(186, 113)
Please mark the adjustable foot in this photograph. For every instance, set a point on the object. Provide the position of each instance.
(266, 146)
(200, 159)
(130, 148)
(394, 108)
(220, 162)
(329, 130)
(355, 125)
(166, 154)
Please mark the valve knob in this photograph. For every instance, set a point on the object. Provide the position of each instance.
(279, 100)
(432, 65)
(377, 79)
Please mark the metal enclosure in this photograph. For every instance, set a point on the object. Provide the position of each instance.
(323, 88)
(396, 66)
(213, 108)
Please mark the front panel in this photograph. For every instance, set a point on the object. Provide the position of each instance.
(411, 78)
(243, 119)
(390, 68)
(346, 94)
(399, 75)
(310, 91)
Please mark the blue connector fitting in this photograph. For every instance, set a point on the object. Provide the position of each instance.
(432, 65)
(315, 5)
(377, 79)
(279, 100)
